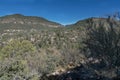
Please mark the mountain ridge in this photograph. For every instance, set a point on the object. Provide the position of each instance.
(20, 21)
(28, 20)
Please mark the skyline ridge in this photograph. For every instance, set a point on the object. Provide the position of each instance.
(19, 14)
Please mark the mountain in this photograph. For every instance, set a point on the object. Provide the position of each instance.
(21, 21)
(86, 50)
(94, 21)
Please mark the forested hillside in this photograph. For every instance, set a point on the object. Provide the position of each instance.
(33, 48)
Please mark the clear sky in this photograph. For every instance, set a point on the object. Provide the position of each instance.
(62, 11)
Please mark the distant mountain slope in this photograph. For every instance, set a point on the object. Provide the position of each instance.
(95, 21)
(18, 21)
(21, 21)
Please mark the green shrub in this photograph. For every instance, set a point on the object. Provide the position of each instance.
(16, 48)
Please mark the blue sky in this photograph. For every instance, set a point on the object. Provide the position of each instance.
(62, 11)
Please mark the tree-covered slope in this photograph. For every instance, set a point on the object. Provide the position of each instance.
(29, 50)
(18, 21)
